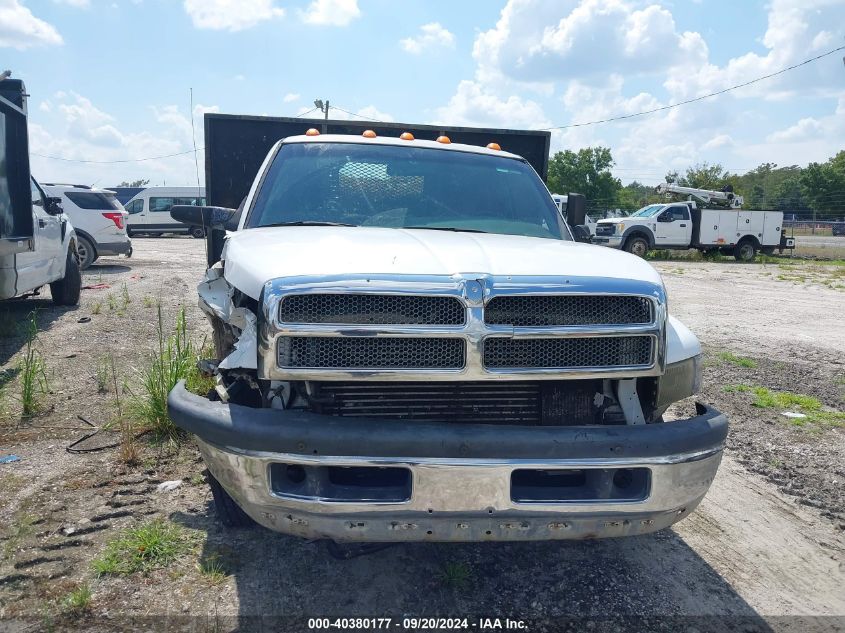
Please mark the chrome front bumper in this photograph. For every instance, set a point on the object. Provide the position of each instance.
(462, 500)
(613, 241)
(461, 487)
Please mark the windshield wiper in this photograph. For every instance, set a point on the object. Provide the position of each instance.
(445, 228)
(306, 223)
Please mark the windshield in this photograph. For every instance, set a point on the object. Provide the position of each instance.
(404, 187)
(648, 211)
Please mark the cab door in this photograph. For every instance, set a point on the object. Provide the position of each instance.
(45, 263)
(674, 227)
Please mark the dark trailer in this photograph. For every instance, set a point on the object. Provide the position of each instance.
(16, 228)
(235, 146)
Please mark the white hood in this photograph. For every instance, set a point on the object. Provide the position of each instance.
(254, 256)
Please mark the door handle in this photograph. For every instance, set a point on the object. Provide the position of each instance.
(683, 224)
(41, 223)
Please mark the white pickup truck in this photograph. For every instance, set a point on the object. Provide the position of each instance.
(412, 347)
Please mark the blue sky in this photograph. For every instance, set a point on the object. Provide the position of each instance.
(110, 79)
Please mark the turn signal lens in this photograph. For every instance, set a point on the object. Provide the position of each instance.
(369, 134)
(406, 136)
(494, 146)
(312, 132)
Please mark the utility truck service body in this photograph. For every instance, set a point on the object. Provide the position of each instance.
(685, 225)
(411, 346)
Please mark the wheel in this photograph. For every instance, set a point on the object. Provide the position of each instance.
(86, 251)
(745, 251)
(197, 232)
(229, 512)
(637, 245)
(66, 290)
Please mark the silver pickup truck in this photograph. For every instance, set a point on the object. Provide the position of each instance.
(411, 346)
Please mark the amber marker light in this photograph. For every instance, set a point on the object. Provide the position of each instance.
(444, 139)
(494, 146)
(312, 132)
(406, 136)
(369, 134)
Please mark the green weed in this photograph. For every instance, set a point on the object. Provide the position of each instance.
(77, 601)
(112, 302)
(33, 372)
(739, 361)
(213, 569)
(174, 360)
(124, 295)
(153, 545)
(811, 407)
(455, 575)
(97, 307)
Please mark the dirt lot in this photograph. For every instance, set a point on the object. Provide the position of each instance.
(767, 541)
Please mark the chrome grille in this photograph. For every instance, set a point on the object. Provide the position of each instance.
(319, 352)
(551, 310)
(605, 229)
(553, 353)
(363, 309)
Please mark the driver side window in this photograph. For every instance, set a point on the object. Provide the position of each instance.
(679, 213)
(136, 206)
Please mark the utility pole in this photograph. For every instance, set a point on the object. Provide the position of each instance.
(322, 107)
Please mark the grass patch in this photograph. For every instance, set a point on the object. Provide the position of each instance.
(33, 372)
(174, 360)
(148, 302)
(111, 301)
(153, 545)
(213, 569)
(20, 528)
(97, 307)
(808, 405)
(76, 601)
(739, 361)
(455, 575)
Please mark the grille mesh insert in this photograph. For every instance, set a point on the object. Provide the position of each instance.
(362, 309)
(506, 353)
(316, 352)
(539, 310)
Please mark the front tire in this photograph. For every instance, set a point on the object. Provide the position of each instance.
(66, 291)
(229, 512)
(86, 251)
(637, 245)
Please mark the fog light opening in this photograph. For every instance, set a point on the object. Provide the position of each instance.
(295, 473)
(623, 478)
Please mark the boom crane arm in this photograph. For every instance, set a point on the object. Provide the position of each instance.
(704, 196)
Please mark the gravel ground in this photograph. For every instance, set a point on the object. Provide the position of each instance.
(767, 540)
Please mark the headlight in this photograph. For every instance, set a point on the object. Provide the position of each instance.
(620, 227)
(680, 381)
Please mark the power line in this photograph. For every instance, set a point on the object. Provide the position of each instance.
(693, 100)
(304, 113)
(111, 162)
(356, 114)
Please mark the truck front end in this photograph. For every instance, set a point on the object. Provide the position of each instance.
(408, 364)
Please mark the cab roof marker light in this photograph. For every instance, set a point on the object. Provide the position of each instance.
(494, 146)
(406, 136)
(369, 134)
(444, 139)
(312, 132)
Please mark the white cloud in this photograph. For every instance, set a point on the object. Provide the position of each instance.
(331, 12)
(371, 112)
(811, 129)
(720, 140)
(45, 106)
(79, 4)
(231, 15)
(291, 97)
(239, 77)
(20, 29)
(475, 104)
(431, 36)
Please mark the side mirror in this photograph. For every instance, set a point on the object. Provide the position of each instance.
(581, 233)
(221, 218)
(53, 206)
(576, 209)
(665, 217)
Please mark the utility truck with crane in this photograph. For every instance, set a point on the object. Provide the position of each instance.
(707, 220)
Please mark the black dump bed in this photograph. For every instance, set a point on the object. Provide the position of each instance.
(16, 228)
(235, 146)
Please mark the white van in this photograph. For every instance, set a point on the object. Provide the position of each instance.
(149, 210)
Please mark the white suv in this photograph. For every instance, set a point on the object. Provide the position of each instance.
(99, 220)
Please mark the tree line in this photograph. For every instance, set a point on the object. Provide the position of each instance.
(817, 189)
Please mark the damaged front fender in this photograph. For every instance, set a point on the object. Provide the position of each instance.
(217, 300)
